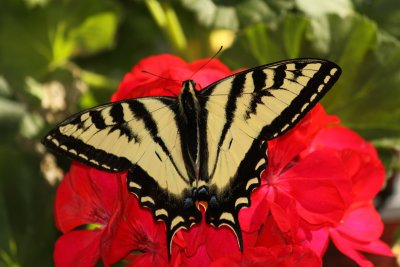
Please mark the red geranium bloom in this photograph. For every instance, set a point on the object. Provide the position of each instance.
(86, 198)
(361, 226)
(318, 186)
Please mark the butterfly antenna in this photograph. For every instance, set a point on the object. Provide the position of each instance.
(164, 78)
(205, 64)
(158, 76)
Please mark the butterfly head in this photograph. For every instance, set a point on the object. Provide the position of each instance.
(189, 86)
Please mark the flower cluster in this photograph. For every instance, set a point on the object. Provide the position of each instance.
(318, 188)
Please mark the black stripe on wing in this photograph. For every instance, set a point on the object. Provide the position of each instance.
(76, 148)
(99, 159)
(308, 97)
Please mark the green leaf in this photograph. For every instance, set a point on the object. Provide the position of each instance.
(11, 114)
(254, 11)
(31, 125)
(366, 97)
(260, 43)
(354, 38)
(385, 13)
(204, 10)
(27, 204)
(387, 143)
(96, 33)
(5, 89)
(293, 34)
(97, 80)
(318, 8)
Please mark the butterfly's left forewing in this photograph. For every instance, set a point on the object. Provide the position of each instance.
(243, 111)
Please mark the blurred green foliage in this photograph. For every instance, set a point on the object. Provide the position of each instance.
(60, 56)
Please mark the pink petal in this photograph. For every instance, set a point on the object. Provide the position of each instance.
(317, 240)
(361, 223)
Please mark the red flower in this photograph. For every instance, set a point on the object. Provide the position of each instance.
(86, 198)
(361, 226)
(318, 186)
(137, 231)
(173, 70)
(275, 256)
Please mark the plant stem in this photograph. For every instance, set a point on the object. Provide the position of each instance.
(165, 17)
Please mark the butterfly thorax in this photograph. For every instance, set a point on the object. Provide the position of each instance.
(189, 116)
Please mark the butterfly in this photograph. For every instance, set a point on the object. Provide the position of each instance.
(203, 148)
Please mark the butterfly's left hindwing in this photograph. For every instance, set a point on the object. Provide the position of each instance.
(241, 112)
(140, 135)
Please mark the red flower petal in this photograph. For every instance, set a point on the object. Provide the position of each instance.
(319, 174)
(340, 138)
(350, 249)
(137, 231)
(190, 240)
(220, 242)
(174, 70)
(200, 259)
(253, 217)
(361, 224)
(271, 235)
(277, 256)
(317, 240)
(284, 149)
(360, 231)
(86, 196)
(78, 248)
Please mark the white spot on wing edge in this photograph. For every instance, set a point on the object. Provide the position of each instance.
(313, 97)
(261, 162)
(295, 117)
(227, 216)
(161, 212)
(327, 78)
(83, 156)
(94, 161)
(285, 127)
(304, 106)
(176, 221)
(55, 141)
(251, 182)
(241, 200)
(105, 166)
(333, 71)
(147, 199)
(134, 185)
